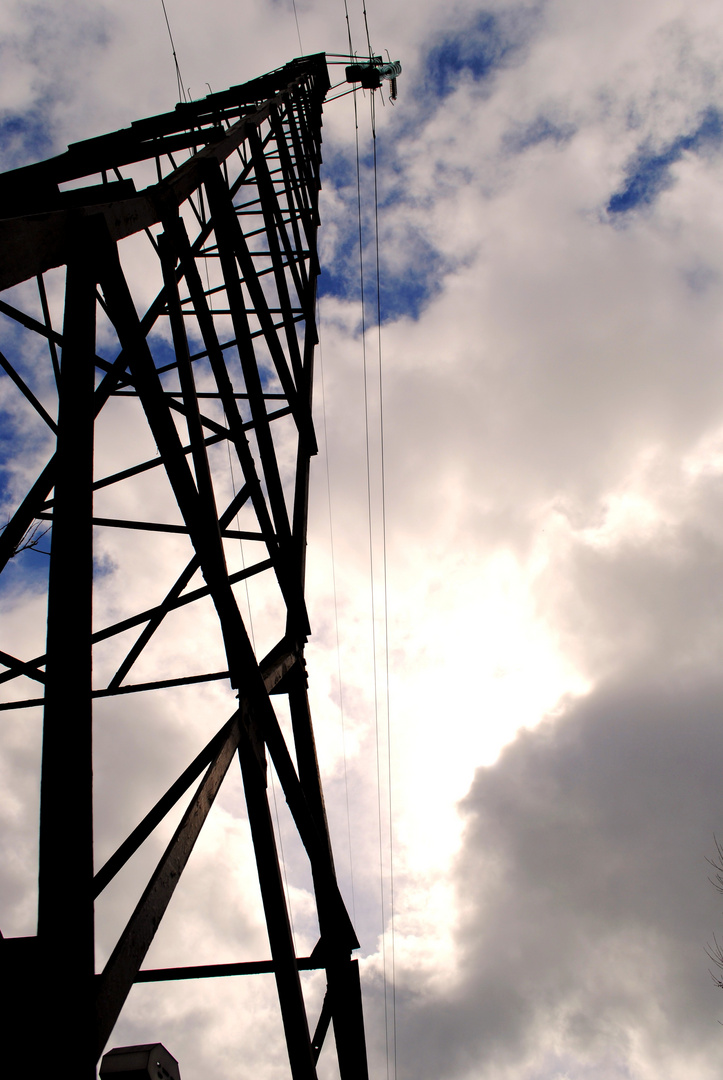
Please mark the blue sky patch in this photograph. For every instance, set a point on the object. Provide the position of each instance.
(24, 139)
(26, 572)
(411, 269)
(649, 174)
(29, 567)
(408, 290)
(405, 290)
(478, 49)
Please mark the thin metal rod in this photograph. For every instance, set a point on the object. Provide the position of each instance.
(27, 392)
(221, 971)
(119, 973)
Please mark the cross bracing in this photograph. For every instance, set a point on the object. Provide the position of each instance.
(158, 323)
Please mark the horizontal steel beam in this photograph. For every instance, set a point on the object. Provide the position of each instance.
(221, 971)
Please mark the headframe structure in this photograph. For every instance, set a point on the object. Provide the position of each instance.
(216, 203)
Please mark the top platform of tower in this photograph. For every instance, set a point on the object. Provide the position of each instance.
(85, 179)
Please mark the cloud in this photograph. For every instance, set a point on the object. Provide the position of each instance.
(541, 129)
(584, 904)
(484, 42)
(552, 406)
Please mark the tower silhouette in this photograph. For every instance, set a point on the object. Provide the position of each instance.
(183, 253)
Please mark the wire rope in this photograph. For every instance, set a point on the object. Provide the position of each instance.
(348, 28)
(298, 32)
(336, 619)
(181, 90)
(371, 582)
(371, 557)
(366, 27)
(385, 582)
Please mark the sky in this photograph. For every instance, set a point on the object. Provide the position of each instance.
(550, 194)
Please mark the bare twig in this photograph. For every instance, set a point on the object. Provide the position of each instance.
(715, 951)
(31, 539)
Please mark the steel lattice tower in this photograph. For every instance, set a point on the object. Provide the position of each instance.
(218, 202)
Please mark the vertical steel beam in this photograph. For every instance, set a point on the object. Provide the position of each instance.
(342, 972)
(293, 1012)
(348, 1019)
(65, 913)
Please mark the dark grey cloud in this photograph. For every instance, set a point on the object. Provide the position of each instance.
(584, 899)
